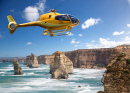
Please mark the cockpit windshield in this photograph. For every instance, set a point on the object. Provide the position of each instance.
(66, 17)
(73, 19)
(62, 17)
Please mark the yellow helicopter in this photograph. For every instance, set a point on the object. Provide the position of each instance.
(54, 23)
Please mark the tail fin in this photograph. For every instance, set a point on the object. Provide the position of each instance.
(12, 24)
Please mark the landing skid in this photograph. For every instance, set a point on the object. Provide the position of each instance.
(57, 32)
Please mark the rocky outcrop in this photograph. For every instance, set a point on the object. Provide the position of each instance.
(59, 73)
(26, 61)
(17, 68)
(60, 66)
(44, 59)
(31, 61)
(90, 58)
(117, 77)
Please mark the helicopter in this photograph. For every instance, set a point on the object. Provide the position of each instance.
(54, 23)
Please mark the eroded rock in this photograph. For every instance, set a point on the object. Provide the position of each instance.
(117, 77)
(17, 68)
(60, 66)
(31, 61)
(60, 74)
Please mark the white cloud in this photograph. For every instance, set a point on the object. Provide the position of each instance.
(32, 13)
(76, 45)
(90, 22)
(105, 43)
(1, 36)
(62, 39)
(127, 38)
(80, 35)
(108, 38)
(128, 32)
(128, 25)
(129, 1)
(118, 33)
(73, 41)
(12, 10)
(78, 42)
(93, 41)
(41, 5)
(69, 34)
(29, 43)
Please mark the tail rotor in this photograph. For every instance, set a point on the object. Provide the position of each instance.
(12, 24)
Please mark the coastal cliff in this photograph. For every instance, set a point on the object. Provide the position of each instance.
(117, 77)
(44, 59)
(94, 58)
(31, 61)
(60, 66)
(88, 58)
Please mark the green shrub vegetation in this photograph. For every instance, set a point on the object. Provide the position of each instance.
(126, 71)
(118, 59)
(121, 55)
(99, 65)
(128, 61)
(108, 66)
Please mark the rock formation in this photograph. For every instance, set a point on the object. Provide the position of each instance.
(44, 59)
(117, 77)
(17, 68)
(26, 61)
(60, 66)
(88, 58)
(31, 61)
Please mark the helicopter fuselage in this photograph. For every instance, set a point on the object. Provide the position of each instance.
(50, 21)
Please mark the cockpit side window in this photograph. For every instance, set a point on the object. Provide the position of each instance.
(49, 16)
(62, 17)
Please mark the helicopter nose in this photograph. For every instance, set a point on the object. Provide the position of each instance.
(75, 21)
(78, 21)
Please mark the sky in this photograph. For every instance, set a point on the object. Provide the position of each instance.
(103, 24)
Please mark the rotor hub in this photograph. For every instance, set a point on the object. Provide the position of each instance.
(52, 10)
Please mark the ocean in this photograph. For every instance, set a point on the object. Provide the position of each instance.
(38, 80)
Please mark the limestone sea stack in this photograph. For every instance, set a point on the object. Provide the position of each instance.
(17, 68)
(60, 66)
(31, 61)
(117, 77)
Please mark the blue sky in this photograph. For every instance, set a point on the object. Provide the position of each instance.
(103, 24)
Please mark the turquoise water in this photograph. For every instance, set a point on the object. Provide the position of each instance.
(37, 80)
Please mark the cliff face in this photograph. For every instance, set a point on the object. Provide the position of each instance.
(44, 59)
(17, 68)
(31, 61)
(117, 77)
(60, 66)
(87, 58)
